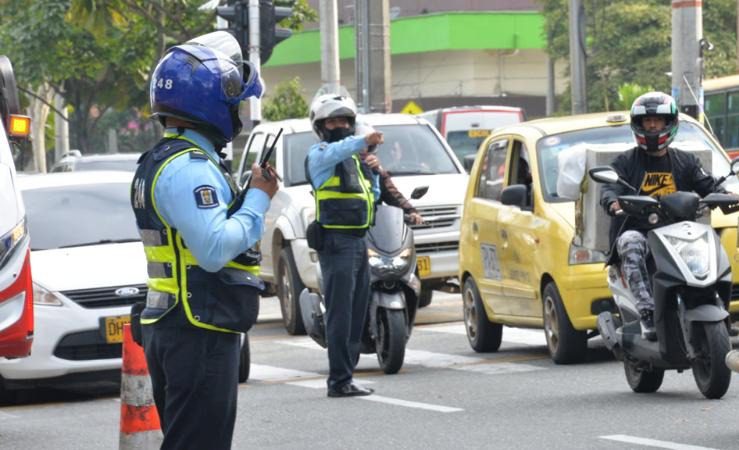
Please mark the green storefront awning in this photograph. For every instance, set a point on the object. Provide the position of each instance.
(477, 30)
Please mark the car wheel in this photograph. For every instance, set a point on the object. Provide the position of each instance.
(244, 360)
(425, 298)
(289, 287)
(482, 334)
(566, 344)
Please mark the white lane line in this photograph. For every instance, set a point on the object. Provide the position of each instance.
(408, 404)
(653, 442)
(510, 335)
(439, 360)
(317, 381)
(273, 374)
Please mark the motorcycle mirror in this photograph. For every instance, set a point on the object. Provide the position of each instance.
(735, 166)
(419, 192)
(603, 174)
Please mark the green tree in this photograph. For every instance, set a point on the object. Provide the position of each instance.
(628, 92)
(628, 41)
(287, 102)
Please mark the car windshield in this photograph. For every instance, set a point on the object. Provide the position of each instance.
(466, 142)
(689, 135)
(69, 216)
(408, 150)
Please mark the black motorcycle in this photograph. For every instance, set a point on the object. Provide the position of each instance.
(394, 290)
(691, 283)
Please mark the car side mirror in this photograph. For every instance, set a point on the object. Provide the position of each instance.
(419, 192)
(515, 195)
(468, 161)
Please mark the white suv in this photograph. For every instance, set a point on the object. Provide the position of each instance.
(414, 153)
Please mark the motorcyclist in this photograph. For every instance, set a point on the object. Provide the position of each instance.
(655, 169)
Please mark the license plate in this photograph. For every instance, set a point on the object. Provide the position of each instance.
(478, 133)
(113, 328)
(424, 266)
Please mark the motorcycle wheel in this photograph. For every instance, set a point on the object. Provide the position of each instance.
(643, 381)
(711, 374)
(390, 342)
(289, 287)
(244, 360)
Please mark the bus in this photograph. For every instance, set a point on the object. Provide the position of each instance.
(721, 107)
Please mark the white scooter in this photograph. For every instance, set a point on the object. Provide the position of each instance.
(691, 284)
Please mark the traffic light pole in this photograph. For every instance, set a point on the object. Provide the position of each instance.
(255, 104)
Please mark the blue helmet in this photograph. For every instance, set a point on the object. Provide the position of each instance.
(203, 81)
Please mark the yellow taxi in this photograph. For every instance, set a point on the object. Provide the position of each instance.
(518, 264)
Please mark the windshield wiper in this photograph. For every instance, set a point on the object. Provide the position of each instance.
(101, 241)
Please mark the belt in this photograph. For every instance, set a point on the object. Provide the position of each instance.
(159, 300)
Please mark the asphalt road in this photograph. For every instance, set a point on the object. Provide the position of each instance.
(446, 396)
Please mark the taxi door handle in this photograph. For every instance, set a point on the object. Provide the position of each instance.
(475, 230)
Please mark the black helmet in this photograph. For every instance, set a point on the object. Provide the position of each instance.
(654, 104)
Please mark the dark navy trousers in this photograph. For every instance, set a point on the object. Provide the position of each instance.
(346, 293)
(194, 374)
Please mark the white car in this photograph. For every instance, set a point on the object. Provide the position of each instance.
(88, 268)
(414, 153)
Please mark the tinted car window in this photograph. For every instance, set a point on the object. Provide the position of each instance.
(78, 215)
(466, 142)
(408, 150)
(689, 135)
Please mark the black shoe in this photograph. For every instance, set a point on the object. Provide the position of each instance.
(349, 390)
(647, 325)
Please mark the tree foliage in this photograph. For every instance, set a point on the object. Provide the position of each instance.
(287, 102)
(628, 41)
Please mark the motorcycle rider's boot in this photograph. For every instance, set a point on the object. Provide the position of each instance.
(647, 325)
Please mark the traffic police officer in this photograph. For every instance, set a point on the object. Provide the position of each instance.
(203, 283)
(345, 191)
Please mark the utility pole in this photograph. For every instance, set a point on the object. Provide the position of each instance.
(255, 104)
(687, 56)
(372, 64)
(330, 71)
(577, 58)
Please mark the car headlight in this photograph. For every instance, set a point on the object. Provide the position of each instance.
(582, 255)
(694, 254)
(42, 296)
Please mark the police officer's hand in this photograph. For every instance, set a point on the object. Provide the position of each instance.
(373, 138)
(259, 181)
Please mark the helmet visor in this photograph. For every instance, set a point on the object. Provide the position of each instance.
(223, 43)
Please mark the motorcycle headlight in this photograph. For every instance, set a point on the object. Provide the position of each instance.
(42, 296)
(582, 255)
(385, 263)
(694, 253)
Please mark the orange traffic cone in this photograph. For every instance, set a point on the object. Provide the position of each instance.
(140, 428)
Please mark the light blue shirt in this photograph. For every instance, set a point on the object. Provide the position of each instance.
(212, 238)
(323, 158)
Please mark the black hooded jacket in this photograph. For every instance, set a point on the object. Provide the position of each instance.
(687, 173)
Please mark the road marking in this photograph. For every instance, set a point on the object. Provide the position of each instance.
(439, 360)
(314, 380)
(653, 442)
(8, 415)
(408, 404)
(510, 335)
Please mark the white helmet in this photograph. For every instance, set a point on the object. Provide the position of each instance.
(331, 105)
